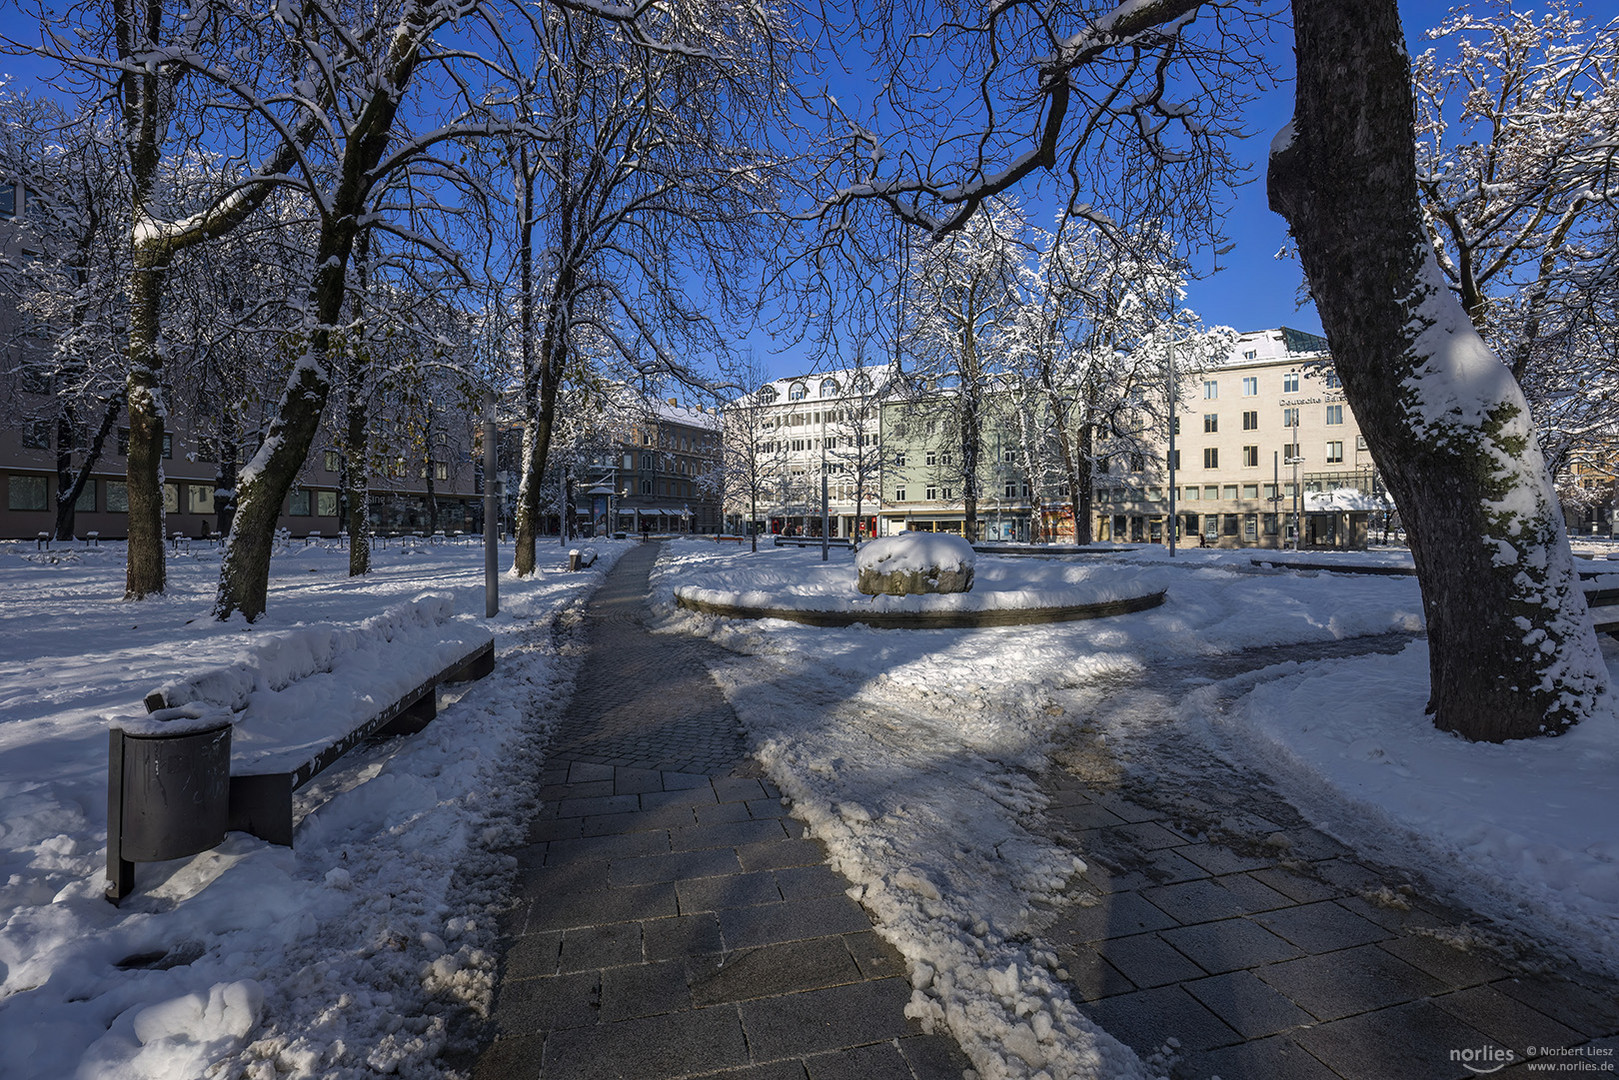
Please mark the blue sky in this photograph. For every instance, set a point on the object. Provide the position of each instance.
(1254, 290)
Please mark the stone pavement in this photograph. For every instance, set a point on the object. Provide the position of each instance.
(1213, 914)
(672, 920)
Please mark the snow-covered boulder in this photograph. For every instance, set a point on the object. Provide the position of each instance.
(913, 563)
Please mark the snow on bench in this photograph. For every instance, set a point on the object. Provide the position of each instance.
(301, 699)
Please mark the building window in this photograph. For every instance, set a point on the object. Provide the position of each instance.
(949, 494)
(86, 502)
(117, 497)
(199, 498)
(333, 462)
(1006, 456)
(26, 493)
(1174, 426)
(899, 494)
(1211, 389)
(1250, 526)
(298, 503)
(1175, 458)
(1360, 442)
(8, 205)
(931, 492)
(1230, 492)
(36, 434)
(1211, 457)
(1011, 489)
(1290, 418)
(1211, 491)
(1211, 423)
(1191, 493)
(326, 503)
(168, 445)
(930, 458)
(441, 470)
(646, 487)
(899, 461)
(1333, 382)
(1250, 354)
(1250, 386)
(828, 387)
(1250, 457)
(171, 498)
(1270, 492)
(1290, 383)
(1250, 421)
(798, 392)
(1335, 414)
(1335, 452)
(1250, 491)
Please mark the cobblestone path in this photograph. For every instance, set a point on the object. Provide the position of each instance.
(673, 921)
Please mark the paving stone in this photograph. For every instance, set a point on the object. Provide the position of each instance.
(562, 911)
(683, 935)
(723, 812)
(600, 946)
(590, 848)
(1590, 1012)
(1145, 1019)
(1166, 867)
(814, 1021)
(1506, 1019)
(1123, 807)
(1147, 835)
(678, 781)
(1214, 898)
(803, 882)
(1118, 915)
(1321, 927)
(780, 853)
(688, 798)
(1278, 1058)
(733, 890)
(778, 969)
(542, 830)
(553, 793)
(644, 990)
(878, 1061)
(1229, 944)
(530, 1006)
(676, 865)
(737, 789)
(533, 955)
(775, 1070)
(727, 834)
(791, 920)
(1247, 1005)
(649, 1048)
(1085, 815)
(511, 1058)
(876, 957)
(546, 882)
(1147, 960)
(1452, 966)
(581, 772)
(1091, 976)
(765, 808)
(934, 1057)
(1300, 887)
(1220, 859)
(635, 821)
(1334, 985)
(635, 781)
(1407, 1042)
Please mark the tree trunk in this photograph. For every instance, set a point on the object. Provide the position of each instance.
(70, 482)
(356, 419)
(528, 493)
(1511, 650)
(146, 568)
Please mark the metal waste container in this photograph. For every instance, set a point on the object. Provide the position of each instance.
(168, 793)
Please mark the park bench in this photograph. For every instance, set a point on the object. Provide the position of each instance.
(284, 713)
(92, 539)
(1603, 603)
(810, 541)
(42, 542)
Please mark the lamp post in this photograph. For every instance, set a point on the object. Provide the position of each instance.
(491, 553)
(1170, 363)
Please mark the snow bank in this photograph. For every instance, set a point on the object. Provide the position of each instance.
(912, 551)
(356, 953)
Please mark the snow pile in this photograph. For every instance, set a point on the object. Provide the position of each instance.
(1342, 499)
(912, 551)
(364, 950)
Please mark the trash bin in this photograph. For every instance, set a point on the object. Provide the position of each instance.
(168, 792)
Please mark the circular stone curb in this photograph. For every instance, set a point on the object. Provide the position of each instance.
(931, 620)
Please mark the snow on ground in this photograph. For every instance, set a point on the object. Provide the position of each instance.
(348, 955)
(909, 751)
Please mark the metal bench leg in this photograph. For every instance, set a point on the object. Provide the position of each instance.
(120, 871)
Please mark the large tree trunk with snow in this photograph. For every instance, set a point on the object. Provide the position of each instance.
(146, 568)
(1511, 650)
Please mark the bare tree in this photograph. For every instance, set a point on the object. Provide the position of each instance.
(1511, 651)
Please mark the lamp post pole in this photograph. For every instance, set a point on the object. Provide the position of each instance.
(1170, 359)
(491, 550)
